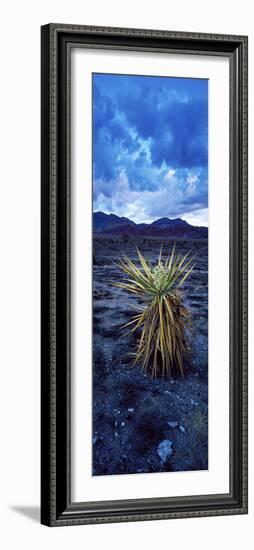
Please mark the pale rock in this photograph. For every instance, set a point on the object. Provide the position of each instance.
(164, 449)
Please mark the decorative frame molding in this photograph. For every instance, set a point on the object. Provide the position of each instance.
(56, 506)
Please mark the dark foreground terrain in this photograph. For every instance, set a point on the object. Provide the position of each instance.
(143, 425)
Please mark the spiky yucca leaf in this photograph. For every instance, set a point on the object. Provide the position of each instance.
(163, 320)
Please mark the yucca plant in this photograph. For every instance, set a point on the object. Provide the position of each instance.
(163, 321)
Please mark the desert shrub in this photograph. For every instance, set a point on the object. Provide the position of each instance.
(162, 321)
(191, 447)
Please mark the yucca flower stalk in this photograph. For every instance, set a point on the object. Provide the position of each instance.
(163, 320)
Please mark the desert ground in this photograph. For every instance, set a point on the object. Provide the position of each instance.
(141, 424)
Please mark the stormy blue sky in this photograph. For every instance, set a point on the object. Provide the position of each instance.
(150, 147)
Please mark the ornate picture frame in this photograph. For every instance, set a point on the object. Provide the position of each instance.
(57, 507)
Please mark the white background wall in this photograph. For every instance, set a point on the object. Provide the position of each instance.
(20, 272)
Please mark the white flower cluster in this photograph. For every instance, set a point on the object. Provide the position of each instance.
(160, 275)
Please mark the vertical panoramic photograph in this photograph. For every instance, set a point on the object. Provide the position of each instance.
(150, 274)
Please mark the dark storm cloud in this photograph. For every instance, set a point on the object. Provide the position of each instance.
(150, 138)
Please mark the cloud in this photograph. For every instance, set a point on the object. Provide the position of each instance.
(149, 146)
(176, 195)
(177, 128)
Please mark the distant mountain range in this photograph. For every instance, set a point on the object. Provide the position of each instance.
(110, 224)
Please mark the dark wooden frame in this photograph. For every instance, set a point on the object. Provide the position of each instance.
(56, 506)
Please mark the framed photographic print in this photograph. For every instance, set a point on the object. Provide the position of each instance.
(144, 275)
